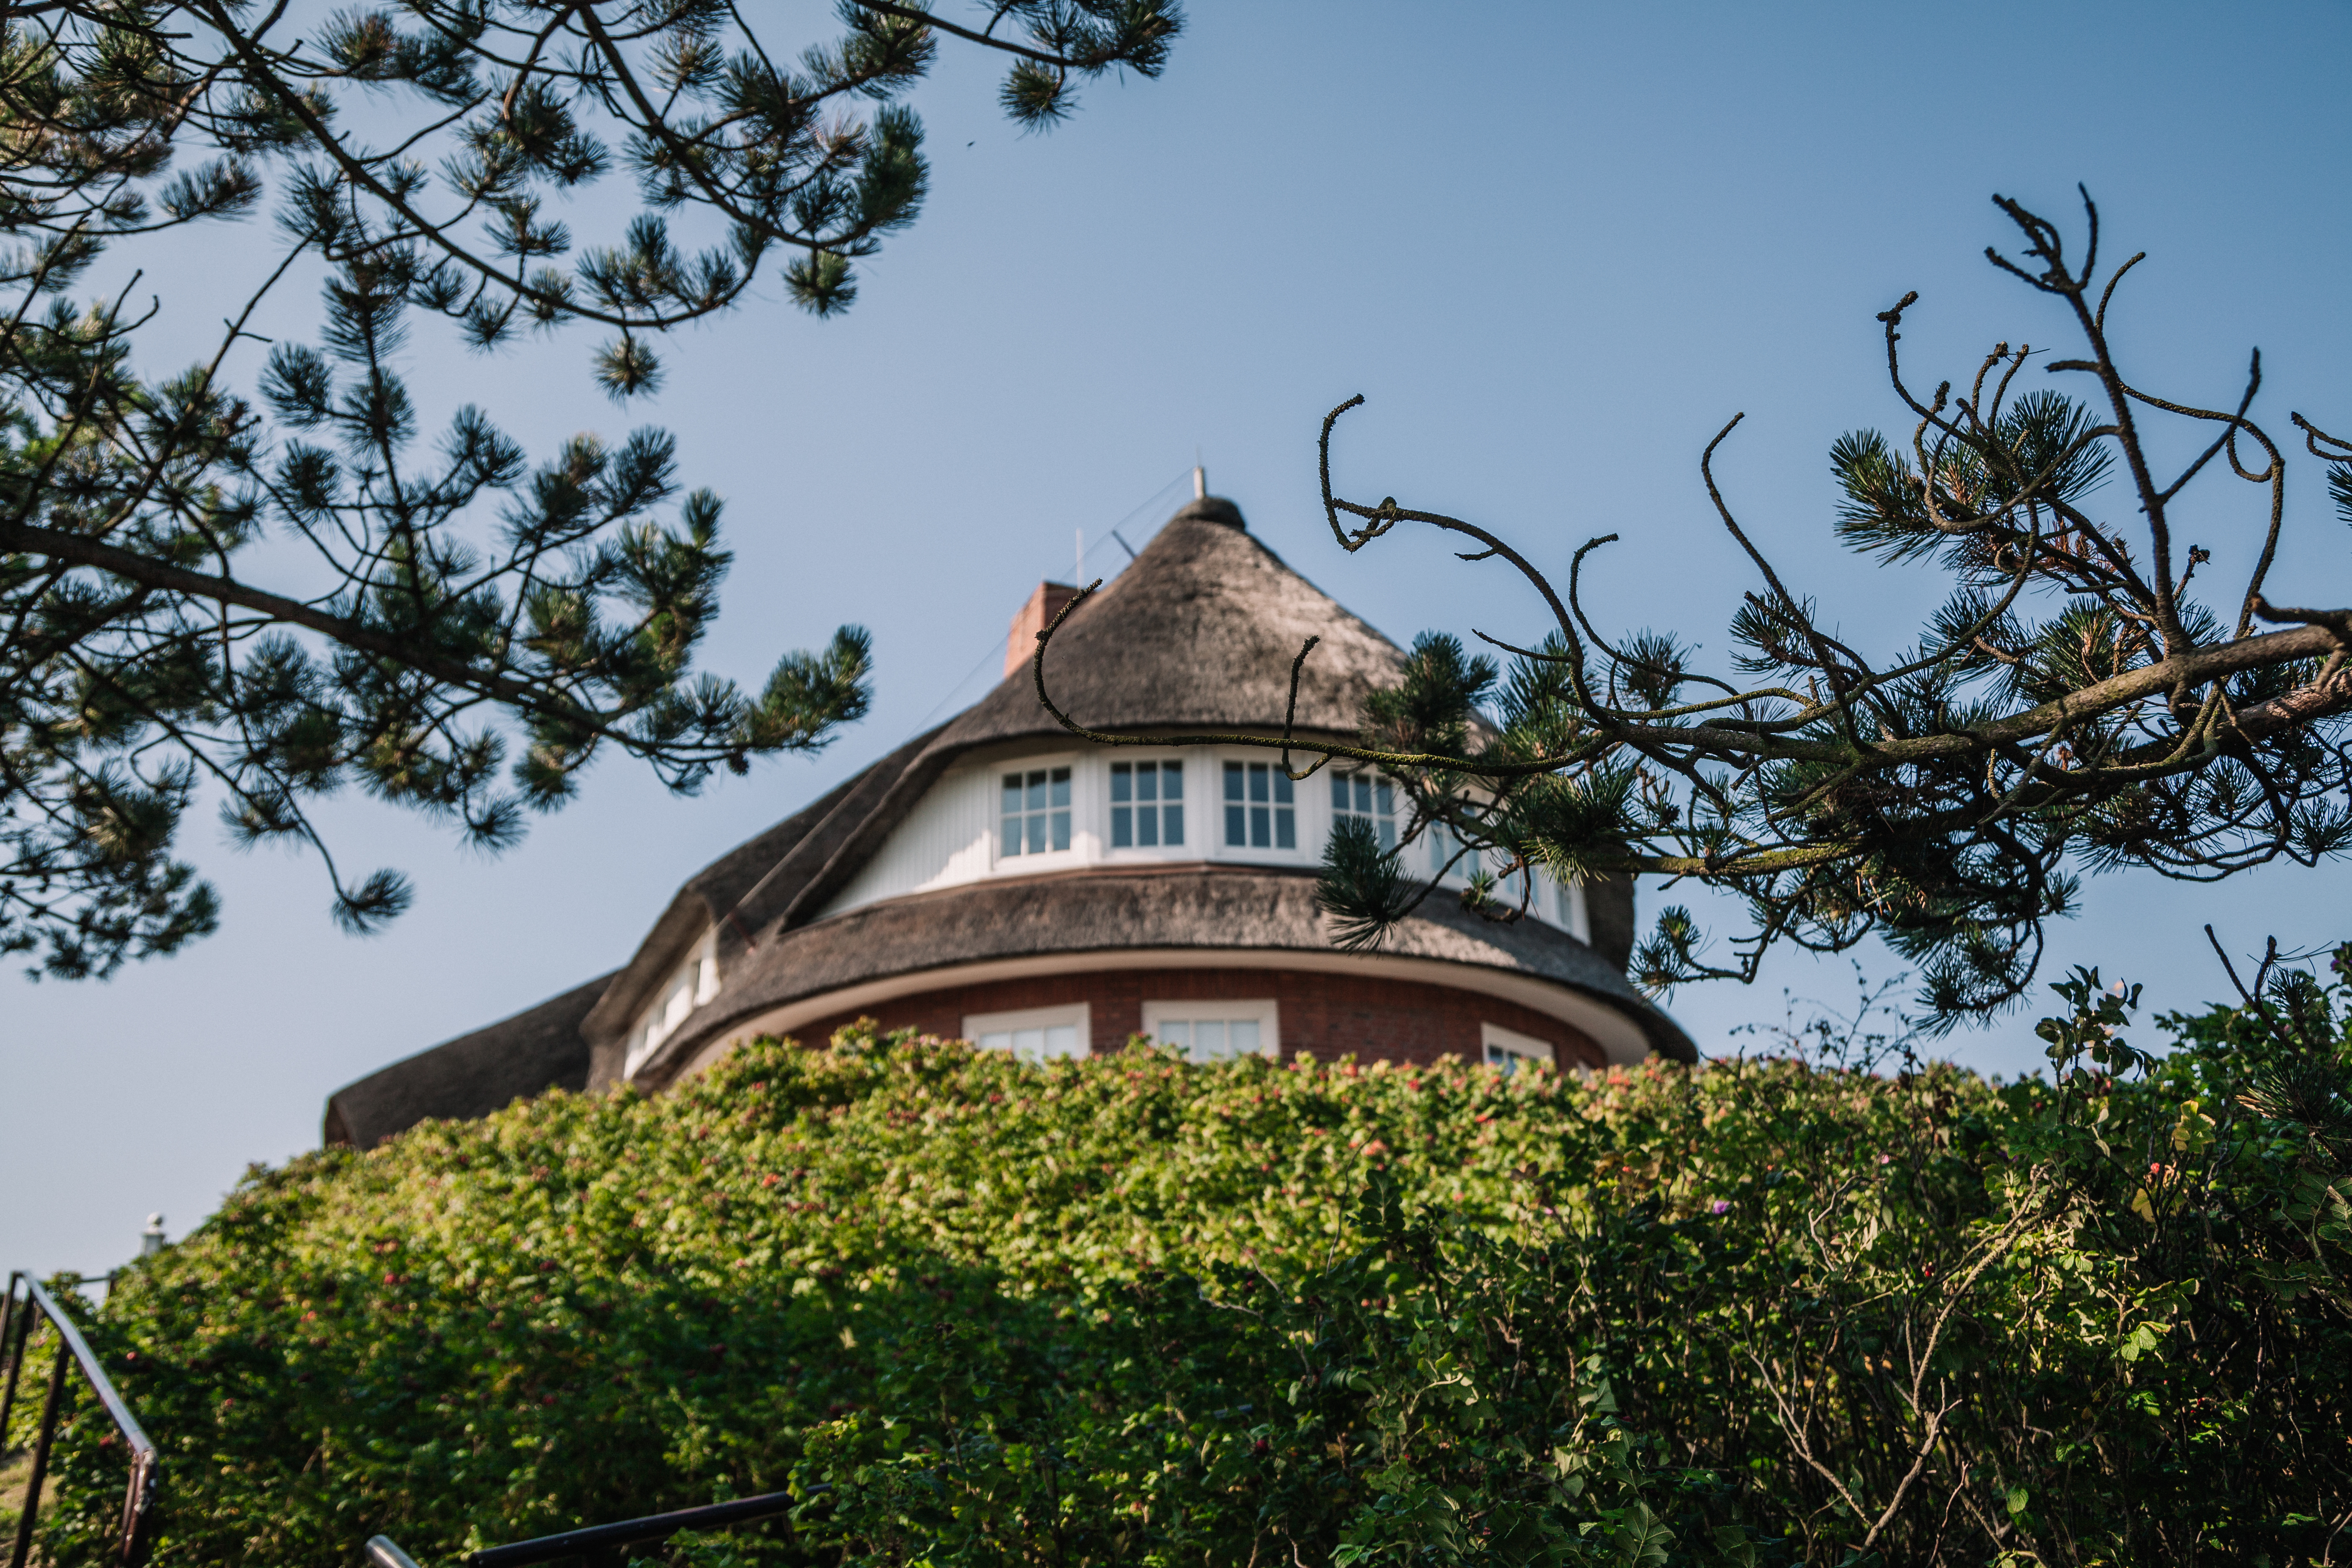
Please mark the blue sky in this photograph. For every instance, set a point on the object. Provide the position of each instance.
(1554, 246)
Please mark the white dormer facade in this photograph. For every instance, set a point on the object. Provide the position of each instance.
(1032, 813)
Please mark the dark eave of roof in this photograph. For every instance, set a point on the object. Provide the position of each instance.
(536, 1049)
(745, 887)
(1204, 908)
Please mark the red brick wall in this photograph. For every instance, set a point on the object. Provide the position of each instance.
(1330, 1015)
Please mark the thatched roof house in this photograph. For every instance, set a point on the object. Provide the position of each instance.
(997, 880)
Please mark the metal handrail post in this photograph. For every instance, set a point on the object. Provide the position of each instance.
(16, 1362)
(40, 1460)
(385, 1552)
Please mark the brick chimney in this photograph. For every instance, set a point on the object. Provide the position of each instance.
(1020, 642)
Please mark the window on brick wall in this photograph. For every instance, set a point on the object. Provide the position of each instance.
(1216, 1031)
(1507, 1052)
(1261, 808)
(1033, 1034)
(1147, 805)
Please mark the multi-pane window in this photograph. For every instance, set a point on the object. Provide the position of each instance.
(1036, 812)
(696, 982)
(1368, 798)
(1211, 1040)
(1034, 1033)
(1508, 1051)
(1147, 805)
(1214, 1031)
(1260, 812)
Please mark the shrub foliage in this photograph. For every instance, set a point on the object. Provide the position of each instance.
(1803, 1307)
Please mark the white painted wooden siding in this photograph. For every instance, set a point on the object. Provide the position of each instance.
(943, 841)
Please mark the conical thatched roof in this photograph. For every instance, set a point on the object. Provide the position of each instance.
(1197, 633)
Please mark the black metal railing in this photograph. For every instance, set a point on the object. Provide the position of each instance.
(20, 1320)
(602, 1544)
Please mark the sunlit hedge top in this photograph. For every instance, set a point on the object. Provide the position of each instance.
(586, 1306)
(832, 1168)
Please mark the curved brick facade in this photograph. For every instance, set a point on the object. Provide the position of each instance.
(1327, 1016)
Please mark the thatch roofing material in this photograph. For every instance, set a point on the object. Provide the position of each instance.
(1205, 909)
(1199, 632)
(538, 1049)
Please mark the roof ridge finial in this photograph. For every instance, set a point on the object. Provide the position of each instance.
(1200, 478)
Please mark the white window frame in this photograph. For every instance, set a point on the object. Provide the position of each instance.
(1575, 911)
(1191, 772)
(1310, 819)
(977, 1026)
(1082, 810)
(1261, 1010)
(692, 983)
(1508, 1051)
(1376, 781)
(1554, 901)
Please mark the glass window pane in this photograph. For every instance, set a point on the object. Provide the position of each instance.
(1061, 830)
(1171, 781)
(1175, 825)
(1385, 794)
(1233, 831)
(1208, 1040)
(1029, 1043)
(1233, 781)
(1122, 826)
(1244, 1037)
(1363, 794)
(1286, 828)
(1257, 781)
(1147, 783)
(1151, 824)
(1122, 782)
(1037, 790)
(1175, 1032)
(1012, 793)
(1062, 1040)
(1261, 828)
(998, 1042)
(1009, 842)
(1388, 832)
(1339, 791)
(1037, 834)
(1061, 786)
(1282, 796)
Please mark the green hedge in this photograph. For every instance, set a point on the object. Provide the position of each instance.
(1129, 1311)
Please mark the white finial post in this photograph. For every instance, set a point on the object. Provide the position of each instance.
(1199, 482)
(151, 1240)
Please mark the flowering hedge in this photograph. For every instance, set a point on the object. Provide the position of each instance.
(1131, 1310)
